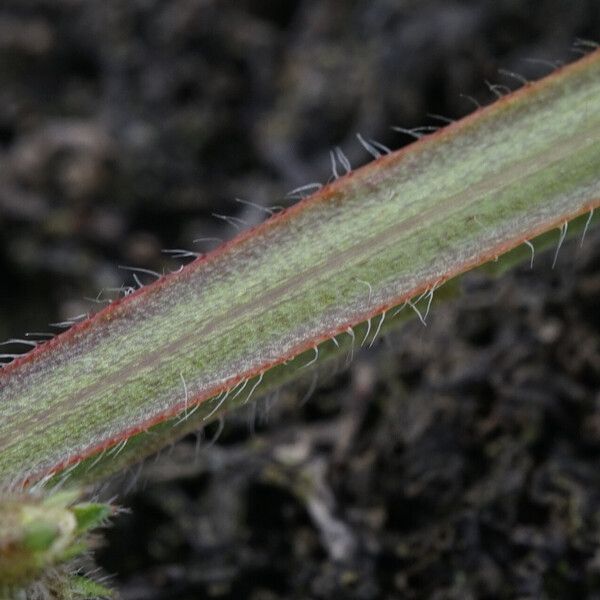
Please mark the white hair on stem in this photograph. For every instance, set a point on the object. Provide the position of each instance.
(266, 209)
(370, 148)
(416, 132)
(378, 328)
(334, 170)
(441, 118)
(471, 99)
(256, 384)
(235, 222)
(135, 270)
(522, 80)
(69, 322)
(367, 333)
(185, 389)
(429, 296)
(382, 147)
(31, 343)
(207, 239)
(561, 239)
(181, 253)
(314, 360)
(343, 159)
(350, 332)
(417, 311)
(220, 401)
(498, 89)
(243, 385)
(304, 190)
(532, 248)
(552, 64)
(369, 286)
(587, 224)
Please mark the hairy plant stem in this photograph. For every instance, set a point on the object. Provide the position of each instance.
(210, 335)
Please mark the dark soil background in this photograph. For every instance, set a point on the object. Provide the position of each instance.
(455, 461)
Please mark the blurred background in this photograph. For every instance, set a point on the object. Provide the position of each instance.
(454, 462)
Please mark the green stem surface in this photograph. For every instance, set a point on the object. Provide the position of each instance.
(364, 244)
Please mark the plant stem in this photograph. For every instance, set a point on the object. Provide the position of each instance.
(370, 241)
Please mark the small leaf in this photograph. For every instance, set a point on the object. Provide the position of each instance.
(83, 588)
(40, 537)
(89, 515)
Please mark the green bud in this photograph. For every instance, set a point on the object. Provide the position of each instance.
(37, 534)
